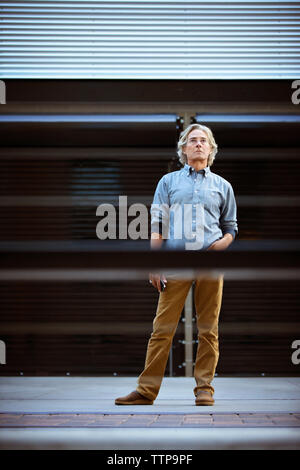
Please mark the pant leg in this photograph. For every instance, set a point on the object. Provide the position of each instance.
(170, 305)
(208, 298)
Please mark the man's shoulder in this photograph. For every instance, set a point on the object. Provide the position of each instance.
(171, 175)
(220, 179)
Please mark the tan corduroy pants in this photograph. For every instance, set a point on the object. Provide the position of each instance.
(207, 297)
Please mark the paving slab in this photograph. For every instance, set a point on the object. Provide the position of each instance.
(13, 420)
(97, 395)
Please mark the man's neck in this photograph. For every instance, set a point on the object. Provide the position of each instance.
(197, 165)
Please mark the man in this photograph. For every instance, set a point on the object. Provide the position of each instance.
(194, 187)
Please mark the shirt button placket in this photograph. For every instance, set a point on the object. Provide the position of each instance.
(196, 200)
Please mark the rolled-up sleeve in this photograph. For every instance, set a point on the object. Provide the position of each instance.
(228, 218)
(160, 208)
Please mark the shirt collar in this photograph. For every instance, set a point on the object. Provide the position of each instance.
(189, 169)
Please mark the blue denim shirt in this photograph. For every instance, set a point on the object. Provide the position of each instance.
(207, 205)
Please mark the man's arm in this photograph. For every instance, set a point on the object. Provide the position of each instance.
(228, 221)
(223, 243)
(156, 244)
(156, 241)
(159, 223)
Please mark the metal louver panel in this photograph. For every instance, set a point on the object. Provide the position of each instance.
(267, 130)
(150, 39)
(89, 129)
(51, 328)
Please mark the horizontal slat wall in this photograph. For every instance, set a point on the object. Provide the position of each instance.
(50, 191)
(253, 130)
(150, 39)
(88, 130)
(56, 197)
(259, 155)
(258, 323)
(54, 193)
(92, 322)
(54, 176)
(103, 328)
(113, 96)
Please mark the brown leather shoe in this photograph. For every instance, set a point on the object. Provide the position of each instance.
(204, 398)
(134, 398)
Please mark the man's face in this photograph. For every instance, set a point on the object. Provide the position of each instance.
(197, 147)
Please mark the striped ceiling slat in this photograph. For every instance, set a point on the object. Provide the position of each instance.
(150, 39)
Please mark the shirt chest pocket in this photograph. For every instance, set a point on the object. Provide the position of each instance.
(212, 200)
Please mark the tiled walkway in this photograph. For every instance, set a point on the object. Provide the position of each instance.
(80, 413)
(63, 420)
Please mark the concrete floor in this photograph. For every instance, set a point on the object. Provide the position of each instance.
(96, 395)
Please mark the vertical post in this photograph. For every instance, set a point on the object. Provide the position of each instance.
(2, 92)
(188, 307)
(2, 352)
(188, 334)
(171, 361)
